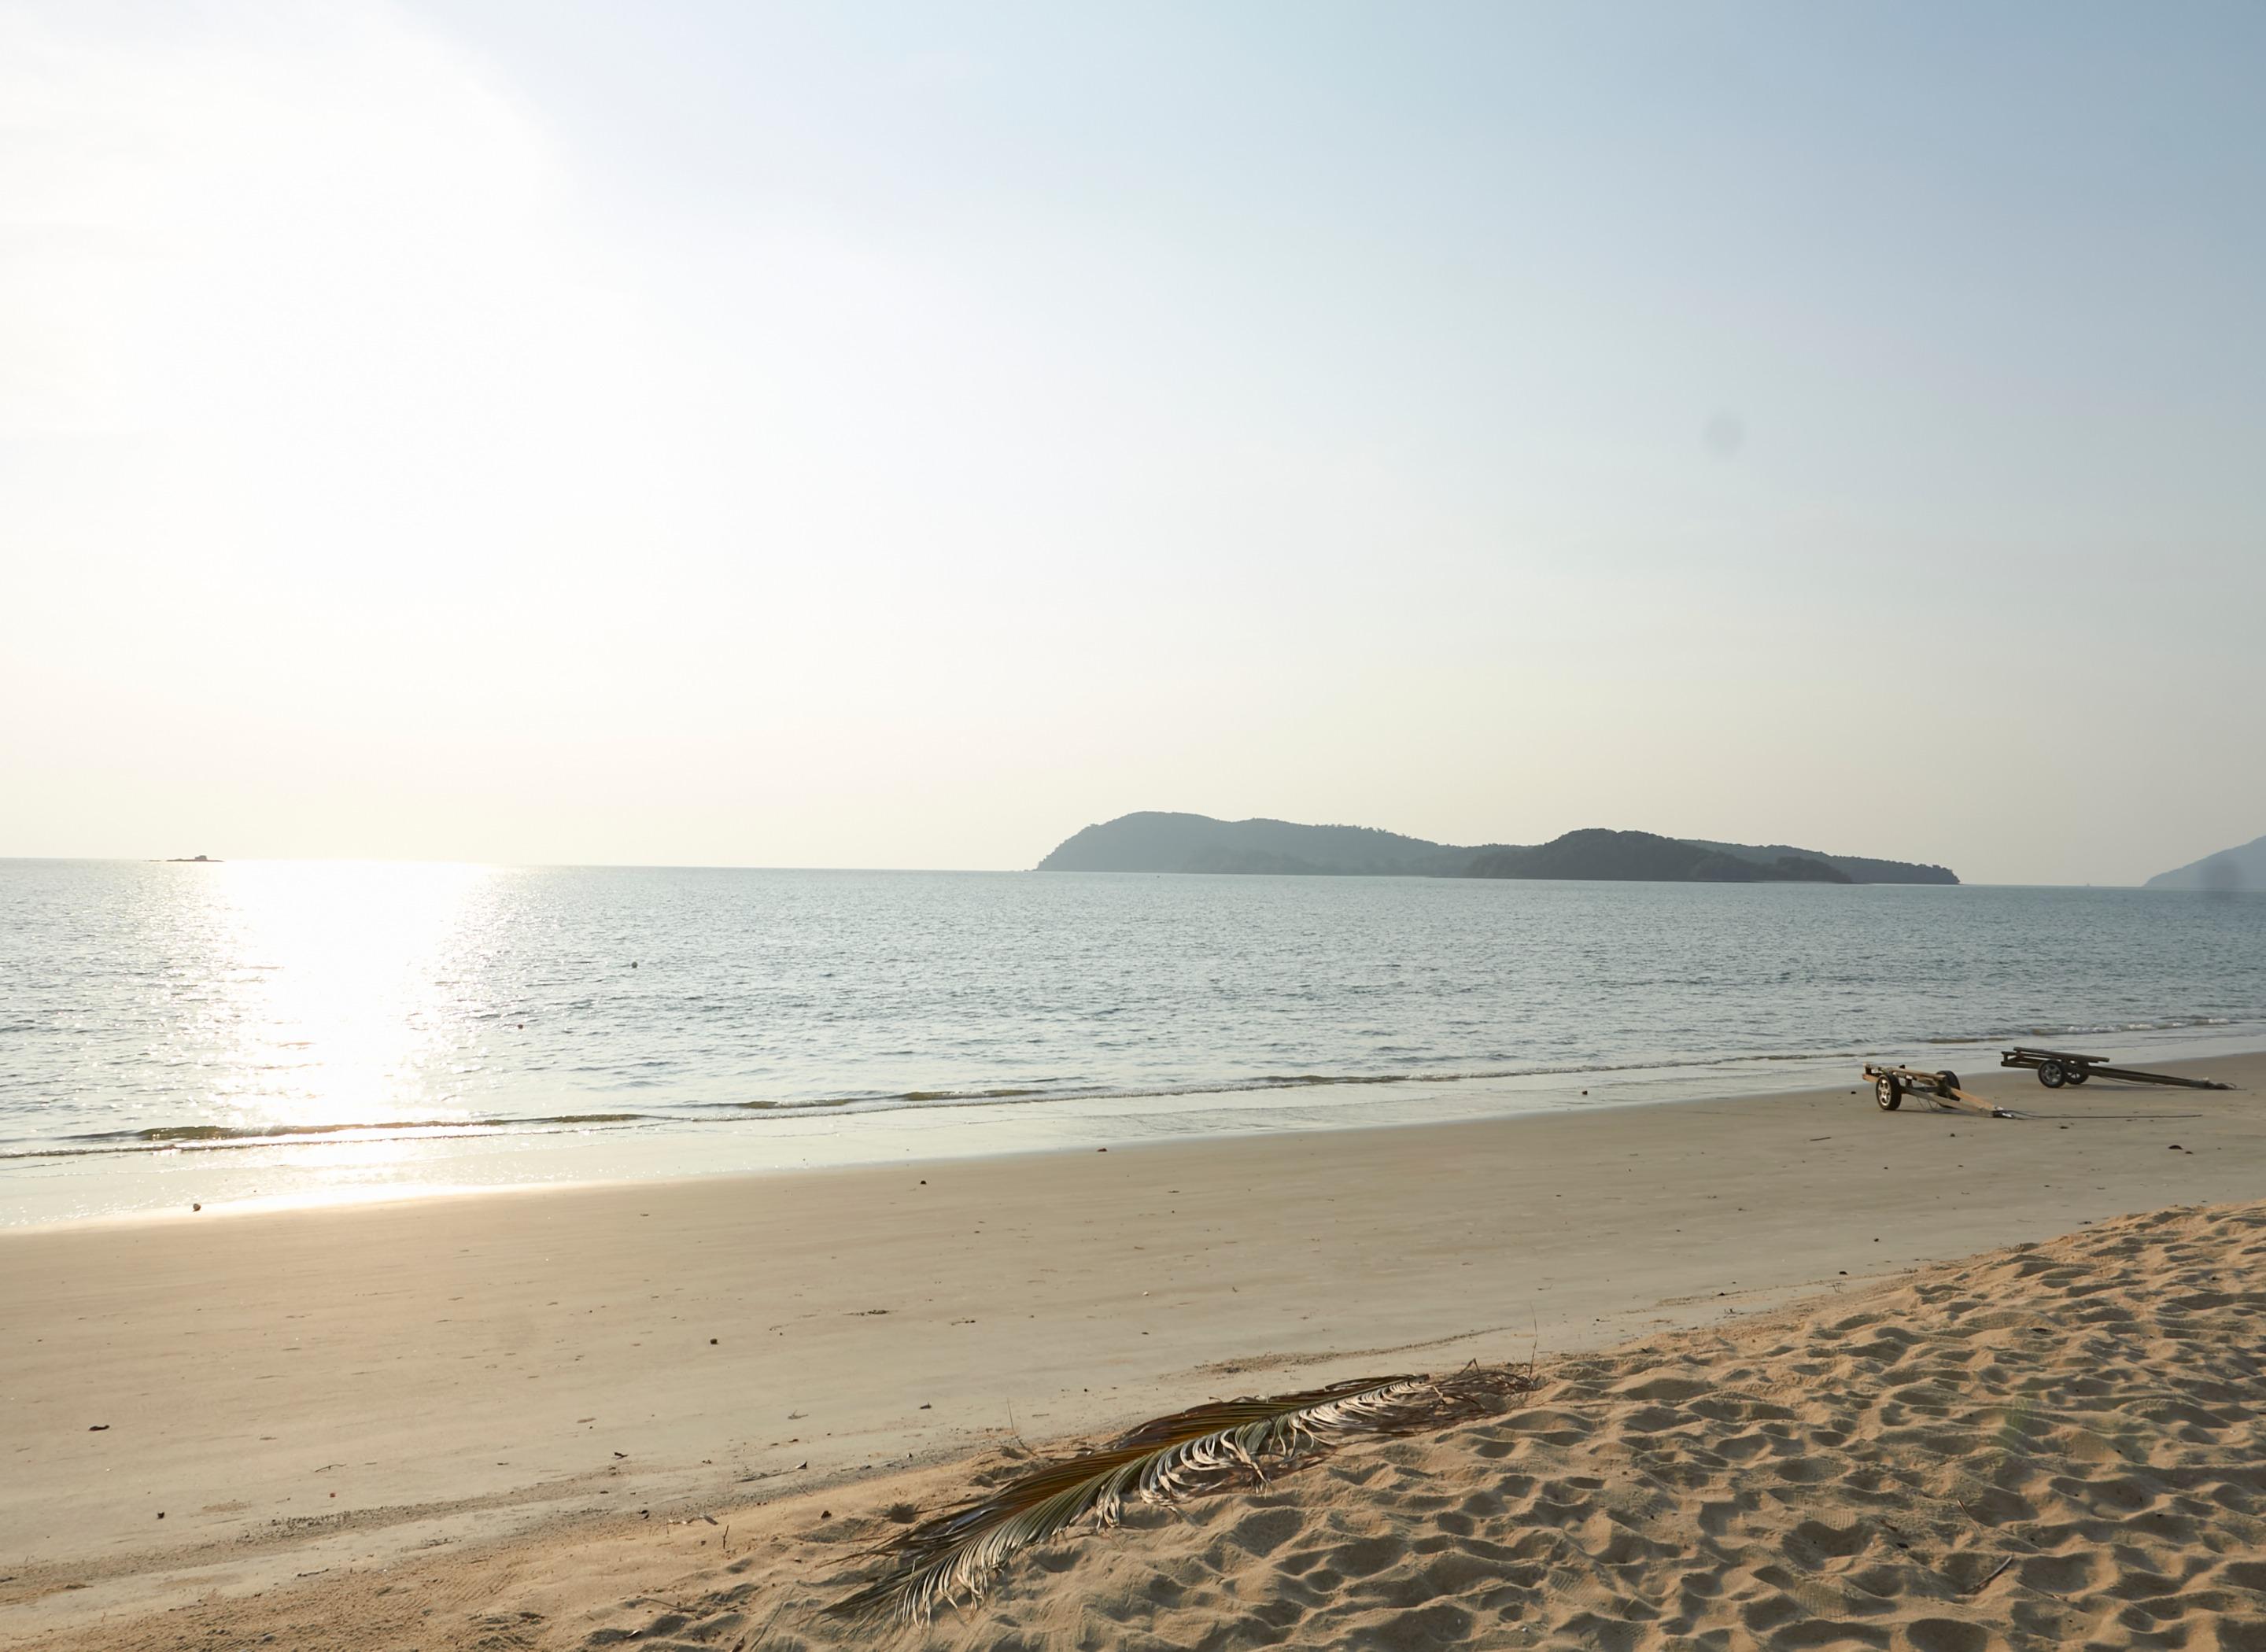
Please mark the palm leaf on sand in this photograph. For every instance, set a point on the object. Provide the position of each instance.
(952, 1558)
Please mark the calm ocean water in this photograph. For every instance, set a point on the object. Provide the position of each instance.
(293, 1030)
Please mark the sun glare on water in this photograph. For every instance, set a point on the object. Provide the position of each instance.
(332, 988)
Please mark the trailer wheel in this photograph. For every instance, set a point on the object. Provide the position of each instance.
(1949, 1080)
(1888, 1093)
(2052, 1074)
(2078, 1075)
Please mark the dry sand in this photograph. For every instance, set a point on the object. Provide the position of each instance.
(502, 1421)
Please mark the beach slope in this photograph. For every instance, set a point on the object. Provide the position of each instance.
(545, 1399)
(2051, 1444)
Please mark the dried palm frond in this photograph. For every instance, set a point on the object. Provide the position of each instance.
(951, 1558)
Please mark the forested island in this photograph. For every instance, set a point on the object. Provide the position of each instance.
(1158, 841)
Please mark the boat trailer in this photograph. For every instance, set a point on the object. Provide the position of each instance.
(2058, 1067)
(1892, 1085)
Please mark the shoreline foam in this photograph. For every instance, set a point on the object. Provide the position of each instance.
(273, 1168)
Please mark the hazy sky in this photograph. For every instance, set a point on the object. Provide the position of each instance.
(900, 436)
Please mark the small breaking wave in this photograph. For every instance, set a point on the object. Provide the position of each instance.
(878, 1101)
(2085, 1029)
(210, 1138)
(177, 1138)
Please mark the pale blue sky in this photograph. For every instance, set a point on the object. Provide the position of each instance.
(900, 436)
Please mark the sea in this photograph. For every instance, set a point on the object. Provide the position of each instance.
(261, 1034)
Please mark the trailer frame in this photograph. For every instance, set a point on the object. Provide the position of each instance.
(2058, 1067)
(1891, 1085)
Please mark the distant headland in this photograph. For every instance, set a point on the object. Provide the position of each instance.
(1157, 842)
(2226, 873)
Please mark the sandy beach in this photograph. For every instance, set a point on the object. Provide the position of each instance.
(530, 1419)
(979, 828)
